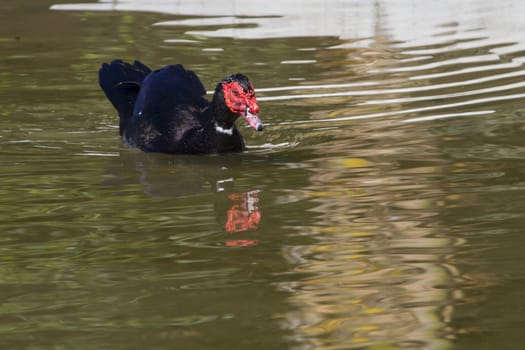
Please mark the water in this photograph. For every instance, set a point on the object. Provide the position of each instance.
(382, 207)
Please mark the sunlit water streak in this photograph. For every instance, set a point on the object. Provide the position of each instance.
(499, 83)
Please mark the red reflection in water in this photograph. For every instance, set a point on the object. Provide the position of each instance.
(241, 242)
(242, 216)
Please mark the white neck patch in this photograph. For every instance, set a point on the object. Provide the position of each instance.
(224, 131)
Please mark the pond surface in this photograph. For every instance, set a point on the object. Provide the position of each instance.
(383, 207)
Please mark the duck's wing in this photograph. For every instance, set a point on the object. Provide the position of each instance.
(121, 82)
(169, 89)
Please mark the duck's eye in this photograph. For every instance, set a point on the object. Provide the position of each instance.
(235, 93)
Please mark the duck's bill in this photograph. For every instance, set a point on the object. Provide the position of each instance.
(253, 120)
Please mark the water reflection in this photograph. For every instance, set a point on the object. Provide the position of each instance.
(173, 177)
(285, 19)
(378, 268)
(244, 214)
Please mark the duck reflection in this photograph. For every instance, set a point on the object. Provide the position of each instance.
(243, 215)
(165, 176)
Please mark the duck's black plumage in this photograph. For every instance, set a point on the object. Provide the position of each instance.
(165, 111)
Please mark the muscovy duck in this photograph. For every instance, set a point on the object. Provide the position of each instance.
(165, 111)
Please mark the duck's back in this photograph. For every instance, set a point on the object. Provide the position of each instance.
(168, 109)
(168, 88)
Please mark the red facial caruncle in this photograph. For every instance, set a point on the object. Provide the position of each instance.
(242, 102)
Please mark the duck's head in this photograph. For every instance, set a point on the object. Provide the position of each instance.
(235, 95)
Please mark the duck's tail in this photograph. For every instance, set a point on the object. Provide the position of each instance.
(121, 83)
